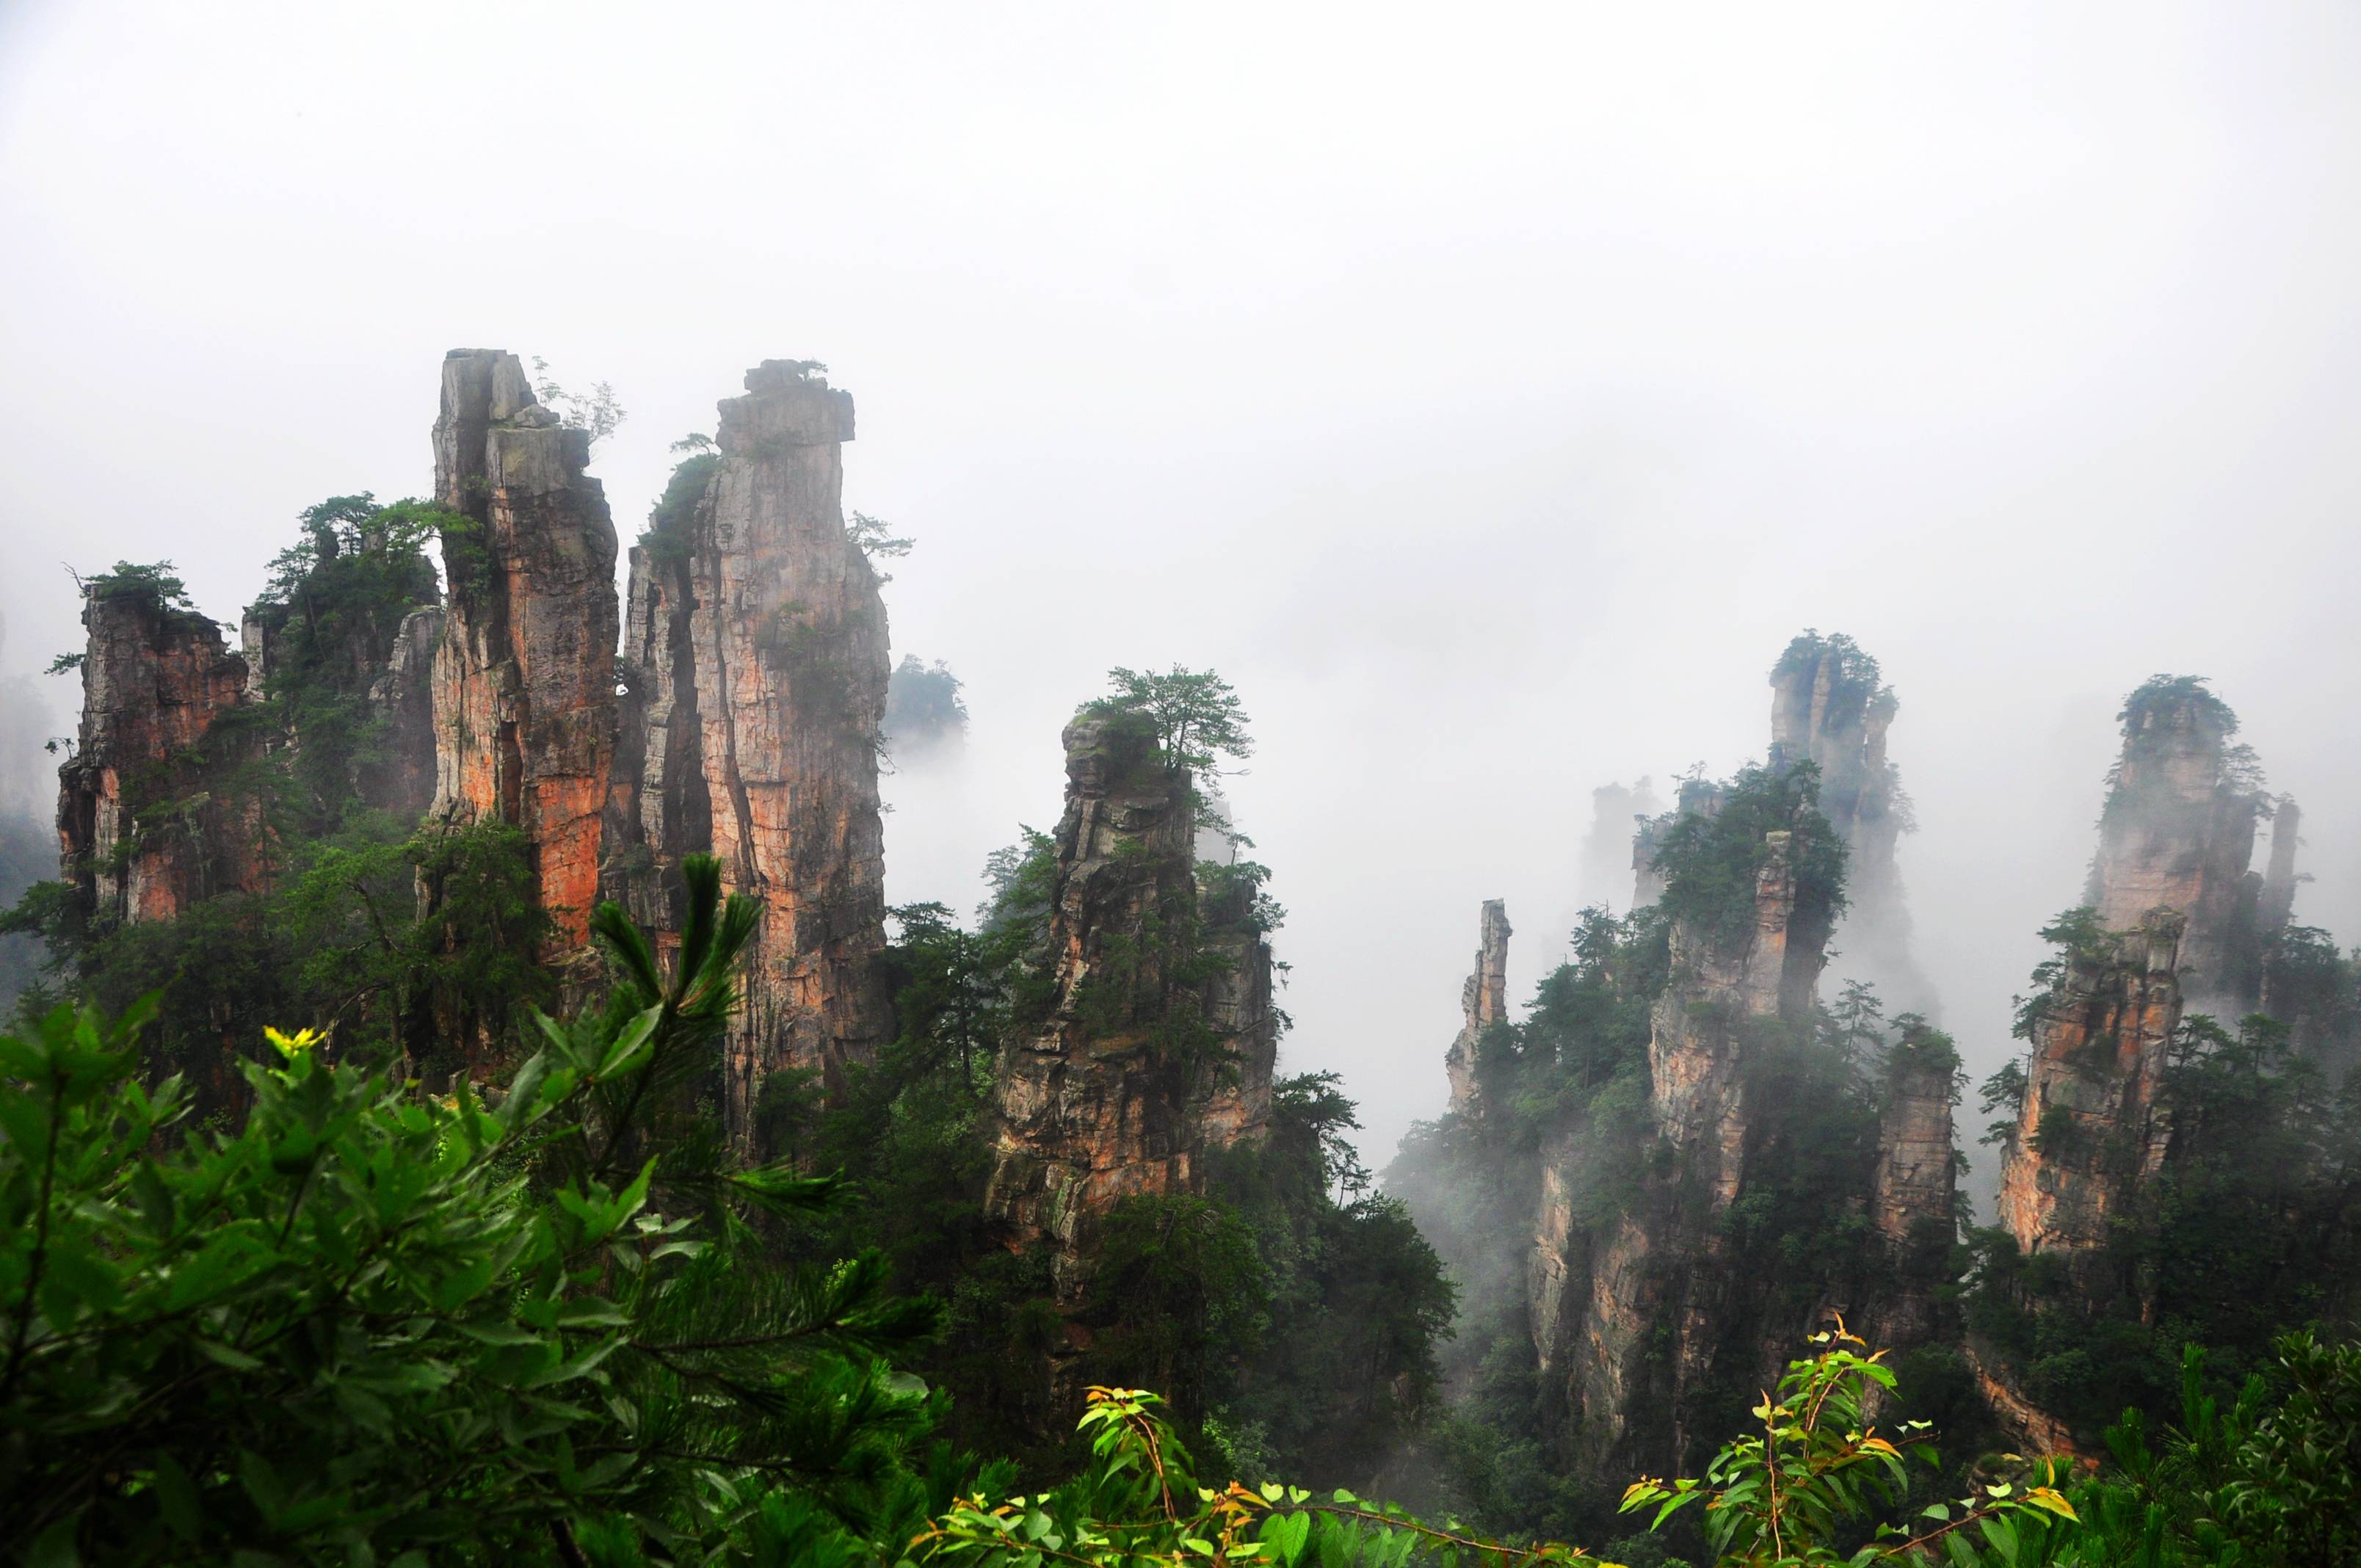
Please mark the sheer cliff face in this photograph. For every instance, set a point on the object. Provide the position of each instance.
(403, 696)
(2093, 1128)
(1137, 1065)
(1911, 1204)
(756, 657)
(1828, 708)
(523, 670)
(1629, 1320)
(1483, 1001)
(2177, 833)
(142, 833)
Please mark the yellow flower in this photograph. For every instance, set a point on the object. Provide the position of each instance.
(300, 1040)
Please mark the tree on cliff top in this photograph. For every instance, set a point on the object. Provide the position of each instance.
(1709, 860)
(1197, 715)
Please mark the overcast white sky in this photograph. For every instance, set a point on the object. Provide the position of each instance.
(1489, 392)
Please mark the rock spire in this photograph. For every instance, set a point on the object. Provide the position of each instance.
(1483, 1002)
(2177, 833)
(1135, 1065)
(1831, 708)
(523, 669)
(755, 658)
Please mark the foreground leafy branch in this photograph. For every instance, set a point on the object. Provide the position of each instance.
(1820, 1467)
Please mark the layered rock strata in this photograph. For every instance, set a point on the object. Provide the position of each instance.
(755, 658)
(1483, 1002)
(1135, 1066)
(142, 828)
(524, 668)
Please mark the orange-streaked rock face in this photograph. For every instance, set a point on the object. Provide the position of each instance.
(523, 672)
(142, 832)
(2093, 1128)
(756, 655)
(1105, 1096)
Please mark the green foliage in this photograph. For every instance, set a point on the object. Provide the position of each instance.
(2237, 1238)
(154, 585)
(2079, 938)
(877, 539)
(338, 943)
(330, 613)
(2271, 1478)
(1196, 715)
(1820, 1472)
(1141, 1501)
(597, 413)
(1710, 860)
(2161, 694)
(922, 705)
(1178, 1278)
(667, 537)
(1857, 681)
(371, 1326)
(1354, 1301)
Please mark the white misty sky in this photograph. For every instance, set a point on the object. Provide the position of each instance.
(1489, 392)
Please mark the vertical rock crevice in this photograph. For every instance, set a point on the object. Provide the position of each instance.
(523, 672)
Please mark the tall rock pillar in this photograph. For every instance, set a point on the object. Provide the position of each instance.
(1913, 1202)
(1830, 707)
(142, 832)
(1483, 1002)
(1135, 1066)
(2178, 832)
(523, 669)
(756, 653)
(1630, 1316)
(2094, 1127)
(2277, 904)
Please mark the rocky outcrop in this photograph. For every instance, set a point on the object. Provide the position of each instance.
(2177, 833)
(144, 823)
(1830, 707)
(1691, 797)
(401, 778)
(1483, 1002)
(756, 655)
(523, 670)
(1134, 1066)
(1633, 1319)
(1913, 1202)
(2093, 1127)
